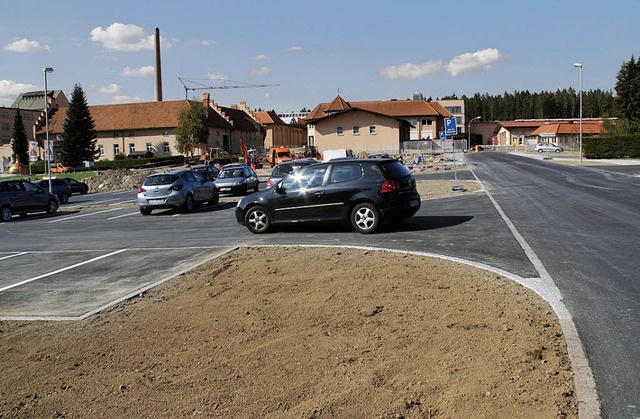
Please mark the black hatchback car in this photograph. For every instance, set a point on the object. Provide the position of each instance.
(22, 197)
(361, 192)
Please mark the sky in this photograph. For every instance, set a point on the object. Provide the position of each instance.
(309, 52)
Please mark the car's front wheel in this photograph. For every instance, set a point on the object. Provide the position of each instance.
(257, 220)
(557, 150)
(145, 211)
(365, 218)
(52, 207)
(540, 151)
(5, 213)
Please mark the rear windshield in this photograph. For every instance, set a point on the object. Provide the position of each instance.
(282, 170)
(396, 170)
(160, 180)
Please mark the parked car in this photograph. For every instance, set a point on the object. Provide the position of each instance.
(22, 197)
(208, 171)
(236, 179)
(542, 147)
(60, 187)
(61, 168)
(179, 189)
(360, 192)
(286, 168)
(77, 186)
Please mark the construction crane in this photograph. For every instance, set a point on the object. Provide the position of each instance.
(202, 86)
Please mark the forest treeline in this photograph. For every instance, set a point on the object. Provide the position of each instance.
(544, 105)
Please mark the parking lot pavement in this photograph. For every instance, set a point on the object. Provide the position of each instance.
(74, 284)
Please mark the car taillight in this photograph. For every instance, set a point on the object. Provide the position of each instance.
(141, 190)
(175, 187)
(269, 183)
(389, 186)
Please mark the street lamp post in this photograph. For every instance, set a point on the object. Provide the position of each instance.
(46, 125)
(469, 132)
(579, 65)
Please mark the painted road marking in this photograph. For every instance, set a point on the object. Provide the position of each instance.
(26, 281)
(83, 215)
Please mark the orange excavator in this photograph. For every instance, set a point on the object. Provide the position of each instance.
(250, 155)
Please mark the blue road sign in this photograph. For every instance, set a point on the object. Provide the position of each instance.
(443, 136)
(450, 126)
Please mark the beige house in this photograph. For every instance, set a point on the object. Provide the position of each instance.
(424, 119)
(7, 115)
(136, 128)
(360, 130)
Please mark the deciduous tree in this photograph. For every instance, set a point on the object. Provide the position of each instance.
(191, 128)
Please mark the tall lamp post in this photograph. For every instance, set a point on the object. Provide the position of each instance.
(469, 133)
(579, 65)
(46, 124)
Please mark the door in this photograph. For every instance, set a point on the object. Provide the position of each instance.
(301, 197)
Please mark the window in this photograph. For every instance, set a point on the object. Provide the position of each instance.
(339, 130)
(345, 173)
(132, 147)
(116, 149)
(149, 147)
(356, 130)
(101, 149)
(166, 148)
(116, 135)
(372, 129)
(165, 133)
(4, 127)
(132, 134)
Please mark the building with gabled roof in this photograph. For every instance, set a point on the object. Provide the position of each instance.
(35, 100)
(123, 129)
(278, 132)
(426, 118)
(343, 125)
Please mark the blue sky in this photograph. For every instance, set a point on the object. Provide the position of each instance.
(365, 50)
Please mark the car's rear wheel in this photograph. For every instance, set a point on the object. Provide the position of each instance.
(145, 211)
(64, 198)
(189, 204)
(557, 150)
(257, 220)
(365, 218)
(540, 151)
(52, 207)
(5, 213)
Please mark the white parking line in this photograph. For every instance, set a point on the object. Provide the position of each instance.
(26, 281)
(12, 256)
(83, 215)
(124, 215)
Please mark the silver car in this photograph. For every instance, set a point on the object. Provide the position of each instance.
(542, 147)
(180, 189)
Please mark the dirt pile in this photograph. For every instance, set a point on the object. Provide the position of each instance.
(118, 179)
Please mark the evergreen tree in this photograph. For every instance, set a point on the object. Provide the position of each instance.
(79, 130)
(20, 144)
(191, 128)
(628, 90)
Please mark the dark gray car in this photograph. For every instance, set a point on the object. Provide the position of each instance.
(236, 179)
(22, 197)
(60, 187)
(179, 189)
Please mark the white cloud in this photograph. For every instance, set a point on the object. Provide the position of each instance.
(24, 45)
(261, 70)
(208, 42)
(473, 61)
(125, 37)
(266, 95)
(126, 99)
(259, 57)
(137, 72)
(217, 76)
(110, 89)
(294, 48)
(410, 71)
(9, 90)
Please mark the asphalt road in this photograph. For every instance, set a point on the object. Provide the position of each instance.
(577, 222)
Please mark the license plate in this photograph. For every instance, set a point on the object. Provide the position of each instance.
(225, 189)
(156, 201)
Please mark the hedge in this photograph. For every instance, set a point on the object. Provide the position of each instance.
(619, 147)
(39, 166)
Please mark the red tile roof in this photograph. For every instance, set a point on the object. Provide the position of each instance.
(268, 118)
(569, 129)
(395, 108)
(135, 116)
